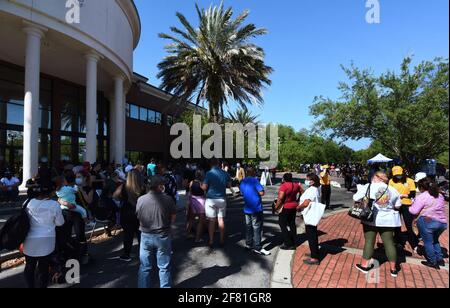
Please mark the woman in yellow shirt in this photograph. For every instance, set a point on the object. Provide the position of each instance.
(325, 182)
(407, 190)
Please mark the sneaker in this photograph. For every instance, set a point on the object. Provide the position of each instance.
(394, 273)
(364, 270)
(431, 265)
(262, 252)
(248, 248)
(441, 263)
(125, 258)
(311, 262)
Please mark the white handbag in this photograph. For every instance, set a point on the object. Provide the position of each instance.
(314, 213)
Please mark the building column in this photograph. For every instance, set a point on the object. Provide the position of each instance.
(92, 59)
(119, 129)
(31, 100)
(112, 127)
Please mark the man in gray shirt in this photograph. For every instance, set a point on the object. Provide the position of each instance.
(156, 212)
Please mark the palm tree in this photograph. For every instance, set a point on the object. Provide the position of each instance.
(215, 62)
(243, 116)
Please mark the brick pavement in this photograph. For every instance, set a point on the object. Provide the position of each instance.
(343, 240)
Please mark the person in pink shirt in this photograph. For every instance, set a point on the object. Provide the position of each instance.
(429, 207)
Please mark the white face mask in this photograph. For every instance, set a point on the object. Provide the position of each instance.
(308, 183)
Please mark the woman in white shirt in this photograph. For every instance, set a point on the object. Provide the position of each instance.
(386, 201)
(312, 194)
(45, 215)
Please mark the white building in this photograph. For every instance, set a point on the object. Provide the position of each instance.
(63, 85)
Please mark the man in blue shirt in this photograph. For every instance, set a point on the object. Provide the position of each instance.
(151, 168)
(253, 191)
(215, 184)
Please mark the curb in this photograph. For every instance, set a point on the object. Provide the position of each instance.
(281, 277)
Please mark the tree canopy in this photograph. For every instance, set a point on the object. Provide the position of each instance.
(407, 113)
(216, 62)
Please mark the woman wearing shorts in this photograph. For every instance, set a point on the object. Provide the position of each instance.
(196, 207)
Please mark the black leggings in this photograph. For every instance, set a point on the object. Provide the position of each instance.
(326, 195)
(37, 272)
(408, 218)
(313, 240)
(130, 229)
(287, 220)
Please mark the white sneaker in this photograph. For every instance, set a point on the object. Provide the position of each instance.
(262, 252)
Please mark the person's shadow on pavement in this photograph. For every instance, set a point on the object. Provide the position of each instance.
(209, 276)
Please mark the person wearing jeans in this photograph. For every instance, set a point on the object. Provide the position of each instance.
(156, 212)
(254, 231)
(429, 206)
(431, 230)
(161, 246)
(252, 191)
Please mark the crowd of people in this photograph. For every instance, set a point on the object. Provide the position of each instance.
(139, 199)
(142, 200)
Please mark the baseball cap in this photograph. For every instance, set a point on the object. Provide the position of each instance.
(397, 170)
(420, 176)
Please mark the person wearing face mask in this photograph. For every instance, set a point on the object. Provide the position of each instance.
(156, 212)
(67, 197)
(9, 187)
(86, 196)
(407, 190)
(311, 194)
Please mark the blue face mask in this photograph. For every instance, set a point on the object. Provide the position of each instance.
(307, 184)
(79, 181)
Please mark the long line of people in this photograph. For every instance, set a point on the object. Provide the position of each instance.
(142, 200)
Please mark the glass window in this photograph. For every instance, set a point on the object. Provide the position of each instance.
(45, 109)
(128, 110)
(151, 116)
(66, 122)
(66, 148)
(143, 114)
(81, 149)
(134, 112)
(14, 113)
(45, 147)
(158, 118)
(169, 120)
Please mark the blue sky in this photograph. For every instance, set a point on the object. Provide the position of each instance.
(308, 40)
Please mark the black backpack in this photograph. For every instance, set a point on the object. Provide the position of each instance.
(15, 230)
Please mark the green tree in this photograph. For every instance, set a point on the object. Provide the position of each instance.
(216, 62)
(243, 116)
(407, 113)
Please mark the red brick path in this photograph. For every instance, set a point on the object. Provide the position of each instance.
(338, 270)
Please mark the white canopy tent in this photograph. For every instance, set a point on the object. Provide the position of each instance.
(380, 158)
